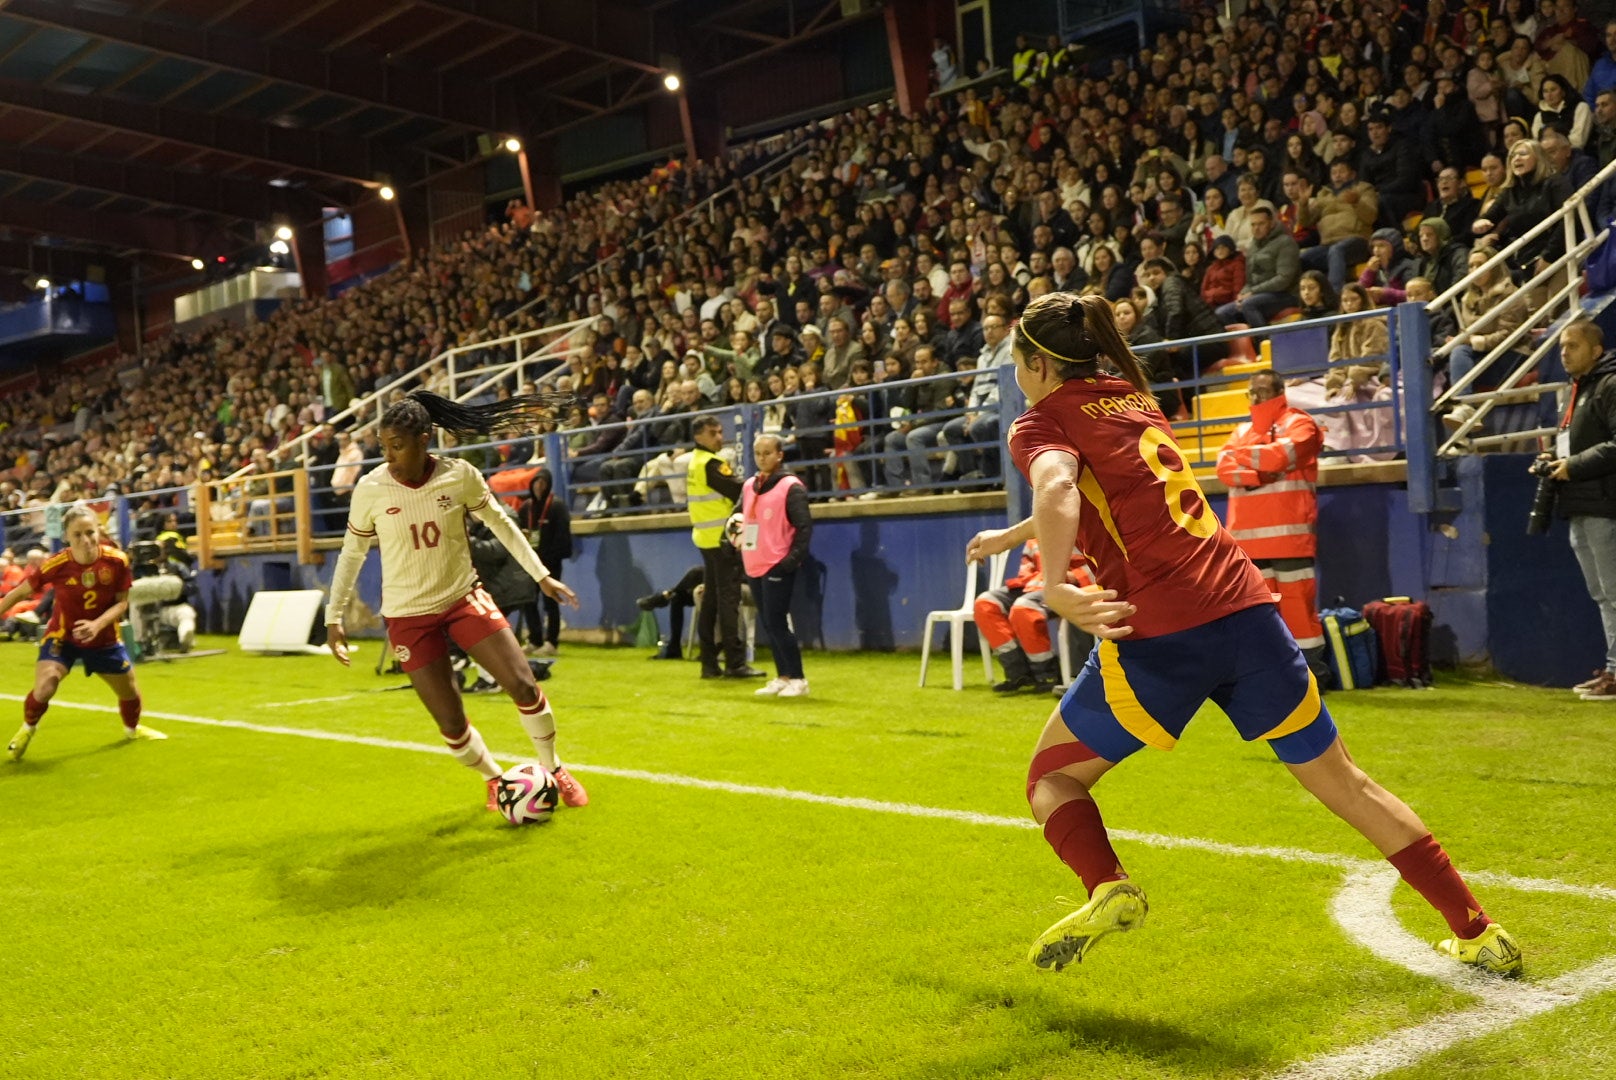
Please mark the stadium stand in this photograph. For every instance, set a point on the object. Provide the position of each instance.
(873, 256)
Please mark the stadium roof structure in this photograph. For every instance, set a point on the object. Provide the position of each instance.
(153, 130)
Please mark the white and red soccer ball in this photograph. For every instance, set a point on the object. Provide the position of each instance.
(526, 794)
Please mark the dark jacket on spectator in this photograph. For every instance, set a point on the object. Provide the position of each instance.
(1460, 214)
(1451, 261)
(1274, 265)
(1392, 170)
(1591, 491)
(547, 522)
(507, 583)
(1181, 313)
(962, 343)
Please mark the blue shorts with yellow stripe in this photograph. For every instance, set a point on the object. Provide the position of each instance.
(1136, 693)
(112, 660)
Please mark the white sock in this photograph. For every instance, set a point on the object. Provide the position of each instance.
(471, 751)
(539, 723)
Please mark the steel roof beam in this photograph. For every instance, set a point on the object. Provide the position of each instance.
(207, 192)
(135, 232)
(342, 158)
(354, 75)
(539, 23)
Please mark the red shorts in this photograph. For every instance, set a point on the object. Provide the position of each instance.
(419, 640)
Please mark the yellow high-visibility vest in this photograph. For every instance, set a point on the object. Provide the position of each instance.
(708, 509)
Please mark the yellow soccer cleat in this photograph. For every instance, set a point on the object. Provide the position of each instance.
(1494, 950)
(19, 742)
(141, 731)
(1114, 906)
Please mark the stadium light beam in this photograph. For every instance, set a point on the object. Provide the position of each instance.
(42, 283)
(197, 264)
(671, 82)
(279, 247)
(283, 232)
(387, 193)
(513, 144)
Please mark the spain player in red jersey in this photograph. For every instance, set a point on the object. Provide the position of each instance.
(91, 580)
(1182, 616)
(414, 507)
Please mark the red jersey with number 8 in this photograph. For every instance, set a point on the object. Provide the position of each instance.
(82, 592)
(1145, 525)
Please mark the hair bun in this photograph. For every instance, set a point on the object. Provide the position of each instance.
(1077, 315)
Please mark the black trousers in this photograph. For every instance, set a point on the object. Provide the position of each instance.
(773, 592)
(548, 628)
(683, 596)
(721, 608)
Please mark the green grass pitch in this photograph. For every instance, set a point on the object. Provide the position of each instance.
(251, 903)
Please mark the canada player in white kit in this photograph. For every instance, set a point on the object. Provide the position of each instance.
(414, 506)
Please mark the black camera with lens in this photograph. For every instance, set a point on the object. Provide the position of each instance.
(1548, 489)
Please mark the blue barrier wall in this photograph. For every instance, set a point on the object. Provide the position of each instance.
(1495, 592)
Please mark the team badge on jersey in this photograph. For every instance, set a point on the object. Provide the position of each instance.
(444, 502)
(402, 653)
(89, 579)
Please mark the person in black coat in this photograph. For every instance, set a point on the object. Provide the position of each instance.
(1584, 463)
(548, 524)
(1180, 313)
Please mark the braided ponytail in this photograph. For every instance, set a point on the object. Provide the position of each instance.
(418, 412)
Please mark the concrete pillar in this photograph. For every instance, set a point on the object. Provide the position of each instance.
(541, 174)
(308, 249)
(699, 120)
(911, 26)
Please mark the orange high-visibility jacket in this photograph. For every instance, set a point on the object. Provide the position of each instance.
(1030, 577)
(1270, 465)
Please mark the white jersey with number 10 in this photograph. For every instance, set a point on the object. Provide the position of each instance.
(421, 528)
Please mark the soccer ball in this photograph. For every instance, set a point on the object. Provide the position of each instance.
(526, 794)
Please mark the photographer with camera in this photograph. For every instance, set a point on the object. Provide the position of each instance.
(161, 595)
(1581, 475)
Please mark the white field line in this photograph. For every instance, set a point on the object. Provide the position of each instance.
(1348, 863)
(1362, 908)
(304, 701)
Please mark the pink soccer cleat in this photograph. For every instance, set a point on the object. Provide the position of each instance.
(572, 792)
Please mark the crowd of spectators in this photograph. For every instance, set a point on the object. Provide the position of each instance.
(1248, 166)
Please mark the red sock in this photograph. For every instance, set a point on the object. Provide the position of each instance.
(1078, 836)
(1425, 866)
(33, 709)
(130, 711)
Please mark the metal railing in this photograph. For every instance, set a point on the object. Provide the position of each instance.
(1524, 381)
(447, 362)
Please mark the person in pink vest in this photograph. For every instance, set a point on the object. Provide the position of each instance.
(773, 530)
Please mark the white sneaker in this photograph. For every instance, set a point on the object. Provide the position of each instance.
(772, 687)
(794, 688)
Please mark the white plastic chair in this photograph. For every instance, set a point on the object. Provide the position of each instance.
(1068, 668)
(956, 620)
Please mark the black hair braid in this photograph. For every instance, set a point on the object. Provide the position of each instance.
(421, 410)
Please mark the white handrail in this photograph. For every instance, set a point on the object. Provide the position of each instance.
(1508, 387)
(444, 359)
(1570, 207)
